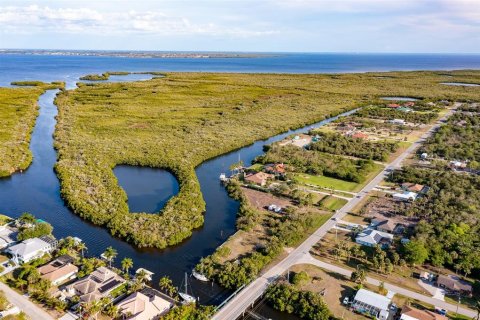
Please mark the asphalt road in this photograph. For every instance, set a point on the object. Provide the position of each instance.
(237, 305)
(31, 309)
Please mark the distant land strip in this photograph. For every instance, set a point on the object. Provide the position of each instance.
(134, 54)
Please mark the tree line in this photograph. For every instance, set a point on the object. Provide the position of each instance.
(335, 143)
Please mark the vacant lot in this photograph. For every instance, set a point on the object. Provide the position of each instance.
(334, 286)
(261, 200)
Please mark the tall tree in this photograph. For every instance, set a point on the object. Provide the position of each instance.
(127, 263)
(110, 254)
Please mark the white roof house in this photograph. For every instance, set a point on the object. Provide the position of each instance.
(30, 249)
(371, 303)
(138, 306)
(405, 196)
(371, 238)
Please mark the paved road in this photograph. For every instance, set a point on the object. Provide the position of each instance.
(307, 258)
(31, 309)
(235, 307)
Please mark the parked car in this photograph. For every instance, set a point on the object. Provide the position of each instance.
(346, 301)
(443, 312)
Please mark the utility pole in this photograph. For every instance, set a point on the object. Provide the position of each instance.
(458, 302)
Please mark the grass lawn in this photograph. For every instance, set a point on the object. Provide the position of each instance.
(332, 203)
(256, 167)
(337, 184)
(326, 182)
(353, 218)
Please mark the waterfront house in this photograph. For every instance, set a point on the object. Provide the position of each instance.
(371, 303)
(277, 169)
(259, 178)
(144, 305)
(31, 249)
(100, 283)
(59, 270)
(410, 313)
(372, 238)
(454, 284)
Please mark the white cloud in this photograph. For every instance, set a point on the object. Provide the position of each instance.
(36, 19)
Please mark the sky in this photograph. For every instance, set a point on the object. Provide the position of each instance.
(404, 26)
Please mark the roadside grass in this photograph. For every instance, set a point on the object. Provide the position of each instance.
(353, 218)
(332, 203)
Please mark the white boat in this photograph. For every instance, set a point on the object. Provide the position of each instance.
(199, 276)
(184, 295)
(223, 177)
(187, 298)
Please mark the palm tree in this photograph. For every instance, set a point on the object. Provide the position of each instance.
(94, 307)
(127, 263)
(166, 284)
(81, 247)
(110, 254)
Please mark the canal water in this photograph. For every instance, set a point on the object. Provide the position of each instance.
(37, 191)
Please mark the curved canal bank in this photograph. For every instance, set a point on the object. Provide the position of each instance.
(37, 190)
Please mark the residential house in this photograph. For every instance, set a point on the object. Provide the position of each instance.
(371, 303)
(95, 286)
(143, 306)
(415, 187)
(405, 109)
(372, 238)
(405, 196)
(59, 270)
(393, 105)
(386, 225)
(259, 178)
(31, 249)
(410, 313)
(454, 284)
(359, 135)
(398, 121)
(277, 169)
(457, 165)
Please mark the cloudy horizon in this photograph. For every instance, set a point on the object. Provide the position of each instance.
(356, 26)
